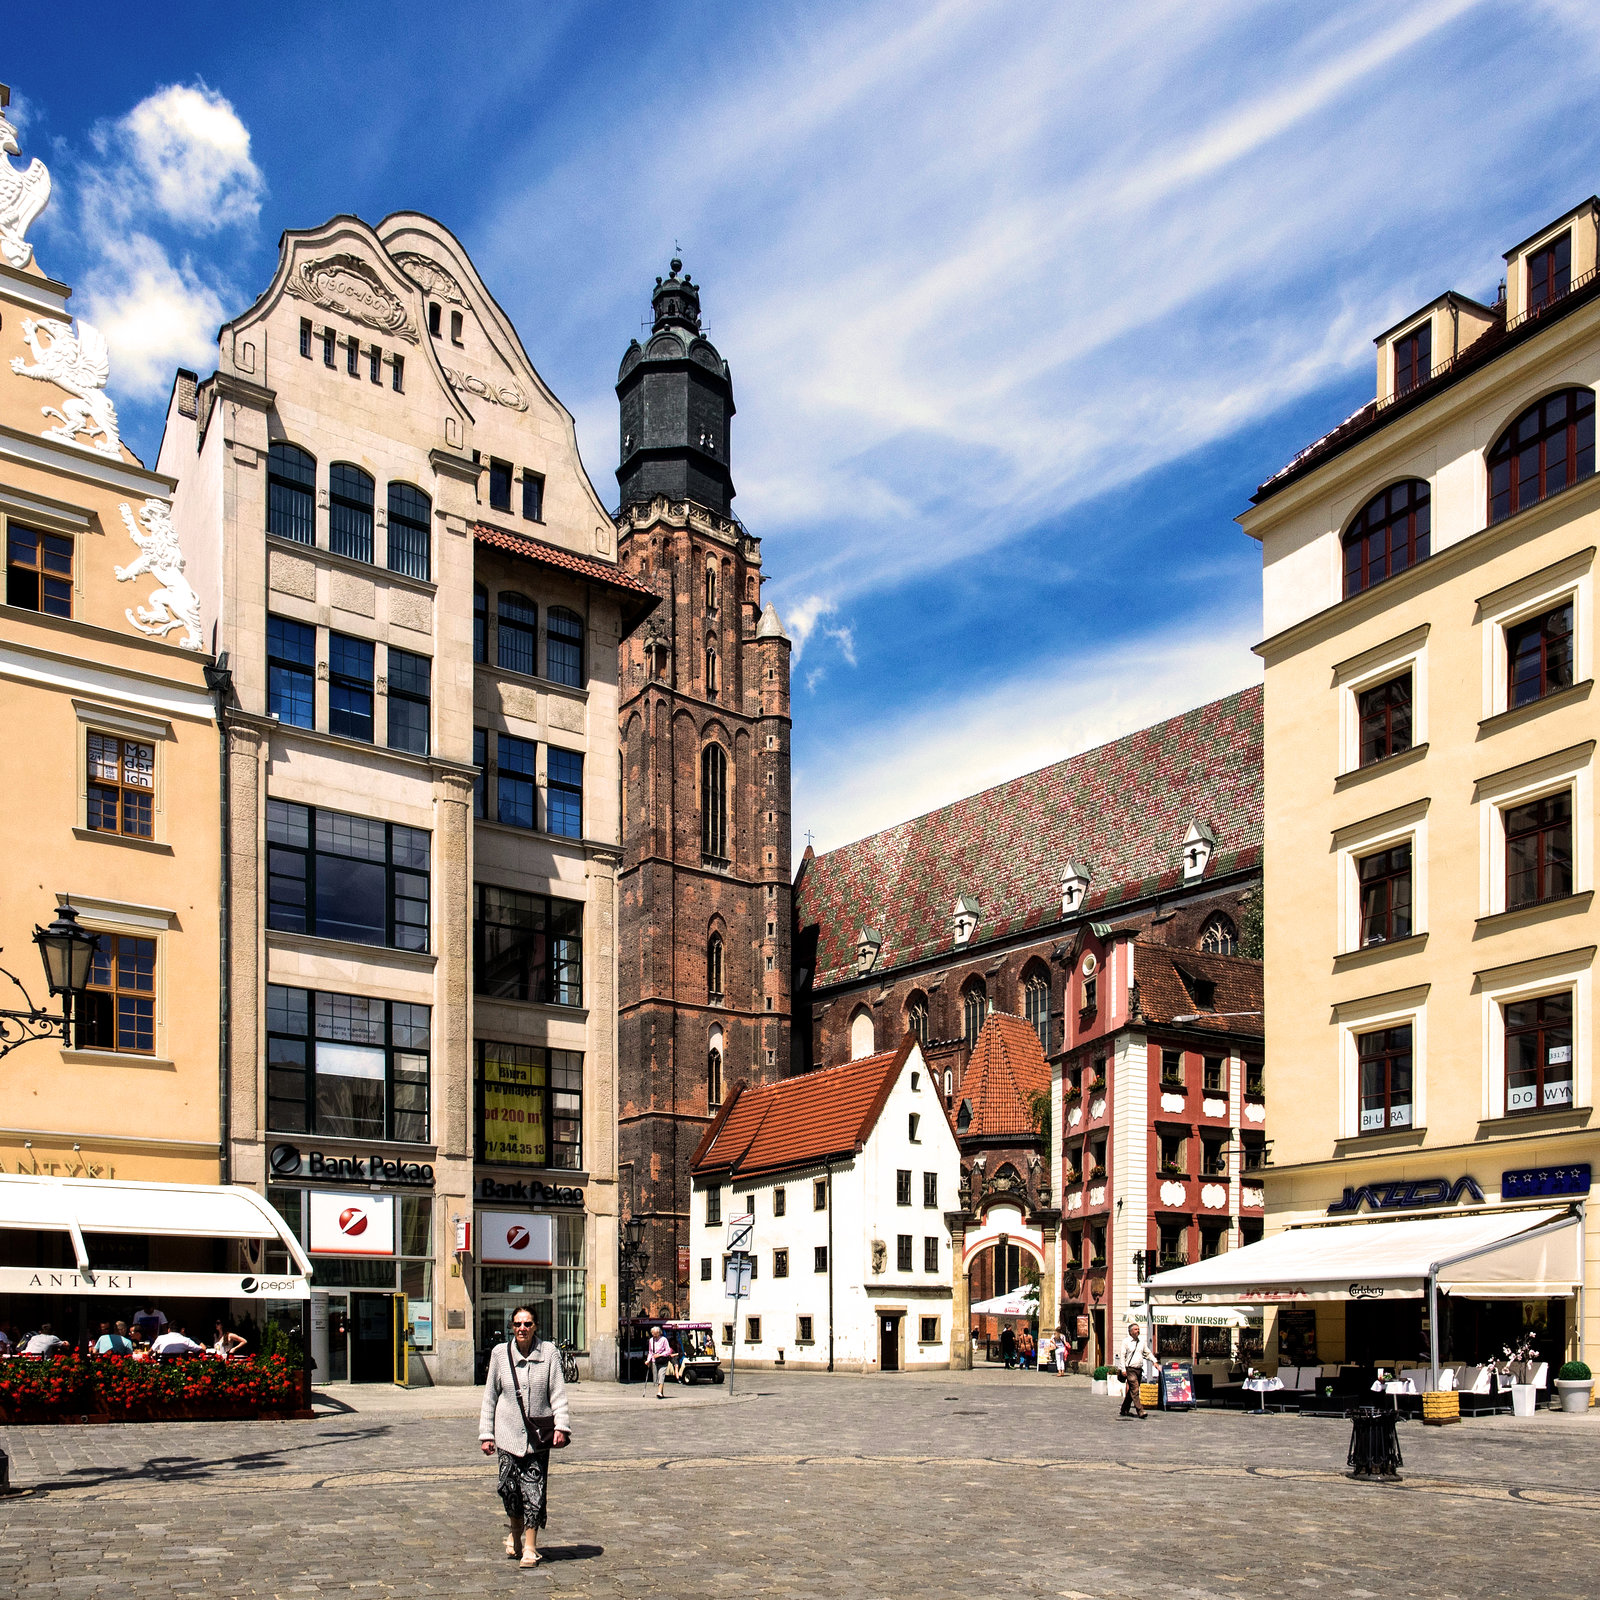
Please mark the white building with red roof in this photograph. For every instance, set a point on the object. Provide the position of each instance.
(851, 1175)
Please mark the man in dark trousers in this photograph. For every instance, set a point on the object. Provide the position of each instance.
(1131, 1362)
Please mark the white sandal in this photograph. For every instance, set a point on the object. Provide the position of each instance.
(530, 1555)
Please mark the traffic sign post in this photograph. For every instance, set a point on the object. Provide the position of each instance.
(736, 1285)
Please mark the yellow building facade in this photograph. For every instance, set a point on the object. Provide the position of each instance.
(1430, 735)
(110, 761)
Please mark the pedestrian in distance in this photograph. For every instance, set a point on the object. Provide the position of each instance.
(524, 1415)
(1008, 1347)
(660, 1358)
(1132, 1360)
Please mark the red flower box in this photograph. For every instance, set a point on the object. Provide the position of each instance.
(125, 1389)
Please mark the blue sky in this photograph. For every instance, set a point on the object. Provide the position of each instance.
(1021, 301)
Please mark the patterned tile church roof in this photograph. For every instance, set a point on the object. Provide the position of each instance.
(1006, 1068)
(1122, 809)
(800, 1122)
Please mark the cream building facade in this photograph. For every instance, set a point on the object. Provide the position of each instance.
(1430, 735)
(110, 758)
(416, 595)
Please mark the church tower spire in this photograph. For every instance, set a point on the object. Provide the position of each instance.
(676, 399)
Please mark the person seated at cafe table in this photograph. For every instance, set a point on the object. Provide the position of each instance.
(113, 1342)
(176, 1342)
(151, 1322)
(43, 1343)
(227, 1345)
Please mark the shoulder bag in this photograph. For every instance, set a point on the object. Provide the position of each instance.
(540, 1431)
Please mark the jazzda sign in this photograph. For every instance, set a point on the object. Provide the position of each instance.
(516, 1239)
(352, 1225)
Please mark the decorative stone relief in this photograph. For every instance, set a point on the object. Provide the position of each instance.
(1172, 1102)
(500, 394)
(880, 1257)
(288, 574)
(409, 610)
(1097, 1108)
(1254, 1113)
(350, 593)
(1214, 1195)
(1074, 1202)
(173, 603)
(1075, 1116)
(1097, 1195)
(79, 363)
(430, 277)
(1173, 1194)
(1252, 1197)
(1214, 1108)
(565, 715)
(347, 285)
(23, 195)
(520, 703)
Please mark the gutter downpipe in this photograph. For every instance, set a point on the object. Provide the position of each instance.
(219, 680)
(1575, 1220)
(829, 1169)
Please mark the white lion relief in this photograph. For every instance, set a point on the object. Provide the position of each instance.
(174, 604)
(23, 196)
(79, 363)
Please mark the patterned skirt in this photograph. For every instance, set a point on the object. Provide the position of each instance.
(522, 1486)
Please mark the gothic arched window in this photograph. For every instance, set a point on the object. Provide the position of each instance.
(917, 1017)
(974, 1008)
(711, 669)
(1389, 534)
(714, 969)
(1549, 446)
(714, 803)
(1036, 1002)
(1219, 935)
(711, 586)
(714, 1071)
(863, 1036)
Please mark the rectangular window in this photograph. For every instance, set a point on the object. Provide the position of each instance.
(780, 1202)
(119, 1007)
(350, 687)
(480, 623)
(1539, 657)
(727, 1333)
(1413, 358)
(564, 792)
(705, 1269)
(819, 1195)
(1215, 1083)
(930, 1254)
(346, 1066)
(1212, 1241)
(1254, 1154)
(1539, 1053)
(528, 947)
(305, 338)
(1539, 851)
(327, 347)
(752, 1328)
(563, 647)
(902, 1253)
(1172, 1068)
(713, 1208)
(410, 684)
(1384, 713)
(1172, 1161)
(122, 785)
(902, 1188)
(375, 364)
(38, 571)
(1384, 1060)
(1171, 1251)
(930, 1190)
(928, 1330)
(749, 1205)
(514, 782)
(532, 497)
(480, 759)
(291, 671)
(345, 877)
(1213, 1158)
(1549, 272)
(397, 375)
(819, 1258)
(780, 1263)
(913, 1121)
(530, 1106)
(456, 324)
(500, 485)
(1385, 895)
(434, 317)
(352, 358)
(802, 1330)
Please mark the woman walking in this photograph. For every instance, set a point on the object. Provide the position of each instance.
(660, 1355)
(524, 1413)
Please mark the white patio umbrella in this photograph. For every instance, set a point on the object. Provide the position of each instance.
(1019, 1303)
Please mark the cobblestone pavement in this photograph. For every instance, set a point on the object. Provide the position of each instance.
(953, 1484)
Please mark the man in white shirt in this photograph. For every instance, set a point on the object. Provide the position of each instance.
(150, 1321)
(43, 1343)
(1132, 1360)
(175, 1343)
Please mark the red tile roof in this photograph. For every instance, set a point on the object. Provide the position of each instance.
(802, 1121)
(1122, 808)
(638, 600)
(1006, 1069)
(1166, 977)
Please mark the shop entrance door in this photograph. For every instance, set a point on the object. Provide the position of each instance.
(372, 1338)
(888, 1341)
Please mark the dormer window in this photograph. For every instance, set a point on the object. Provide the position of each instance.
(1074, 886)
(1413, 357)
(1549, 272)
(964, 1119)
(1198, 845)
(1203, 991)
(964, 919)
(868, 942)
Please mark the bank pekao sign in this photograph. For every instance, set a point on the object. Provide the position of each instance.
(1405, 1195)
(286, 1161)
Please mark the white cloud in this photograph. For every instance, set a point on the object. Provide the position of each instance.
(899, 766)
(193, 153)
(802, 618)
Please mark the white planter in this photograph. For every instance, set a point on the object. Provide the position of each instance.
(1097, 1386)
(1524, 1396)
(1574, 1393)
(1115, 1387)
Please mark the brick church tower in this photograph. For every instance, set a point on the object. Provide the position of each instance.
(703, 981)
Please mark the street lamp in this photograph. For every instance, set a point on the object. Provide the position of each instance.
(634, 1259)
(1202, 1016)
(67, 952)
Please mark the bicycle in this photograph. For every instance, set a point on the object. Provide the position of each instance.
(569, 1361)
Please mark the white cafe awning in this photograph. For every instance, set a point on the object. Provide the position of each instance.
(1504, 1255)
(1207, 1316)
(80, 1206)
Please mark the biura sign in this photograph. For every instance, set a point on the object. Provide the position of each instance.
(1405, 1195)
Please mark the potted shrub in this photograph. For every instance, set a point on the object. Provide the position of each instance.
(1515, 1368)
(1575, 1384)
(1097, 1383)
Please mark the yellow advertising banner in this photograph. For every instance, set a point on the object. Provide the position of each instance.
(512, 1091)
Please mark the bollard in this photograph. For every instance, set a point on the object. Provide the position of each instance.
(5, 1473)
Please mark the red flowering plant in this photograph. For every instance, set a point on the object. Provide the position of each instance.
(121, 1386)
(41, 1383)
